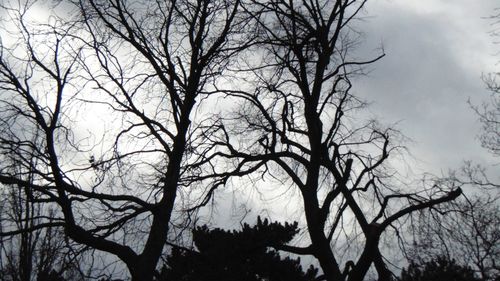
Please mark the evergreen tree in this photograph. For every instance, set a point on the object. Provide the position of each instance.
(438, 269)
(237, 255)
(49, 275)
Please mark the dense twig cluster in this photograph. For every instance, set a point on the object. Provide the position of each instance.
(156, 150)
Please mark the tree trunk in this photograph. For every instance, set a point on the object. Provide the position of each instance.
(359, 271)
(321, 245)
(140, 272)
(328, 263)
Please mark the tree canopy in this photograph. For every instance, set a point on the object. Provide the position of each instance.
(126, 116)
(439, 268)
(237, 255)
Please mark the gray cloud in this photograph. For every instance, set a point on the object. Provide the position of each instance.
(436, 54)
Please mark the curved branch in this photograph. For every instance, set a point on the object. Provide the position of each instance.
(449, 197)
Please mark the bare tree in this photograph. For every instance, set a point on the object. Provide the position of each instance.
(31, 254)
(490, 116)
(150, 67)
(468, 232)
(147, 66)
(303, 126)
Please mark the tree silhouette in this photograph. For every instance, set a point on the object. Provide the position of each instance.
(33, 254)
(467, 232)
(489, 116)
(437, 269)
(49, 276)
(300, 124)
(237, 255)
(143, 68)
(489, 113)
(114, 101)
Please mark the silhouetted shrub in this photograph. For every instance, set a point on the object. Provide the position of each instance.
(49, 275)
(437, 269)
(237, 255)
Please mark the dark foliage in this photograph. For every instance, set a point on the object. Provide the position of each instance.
(438, 269)
(50, 275)
(237, 255)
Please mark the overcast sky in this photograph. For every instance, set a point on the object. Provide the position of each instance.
(436, 52)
